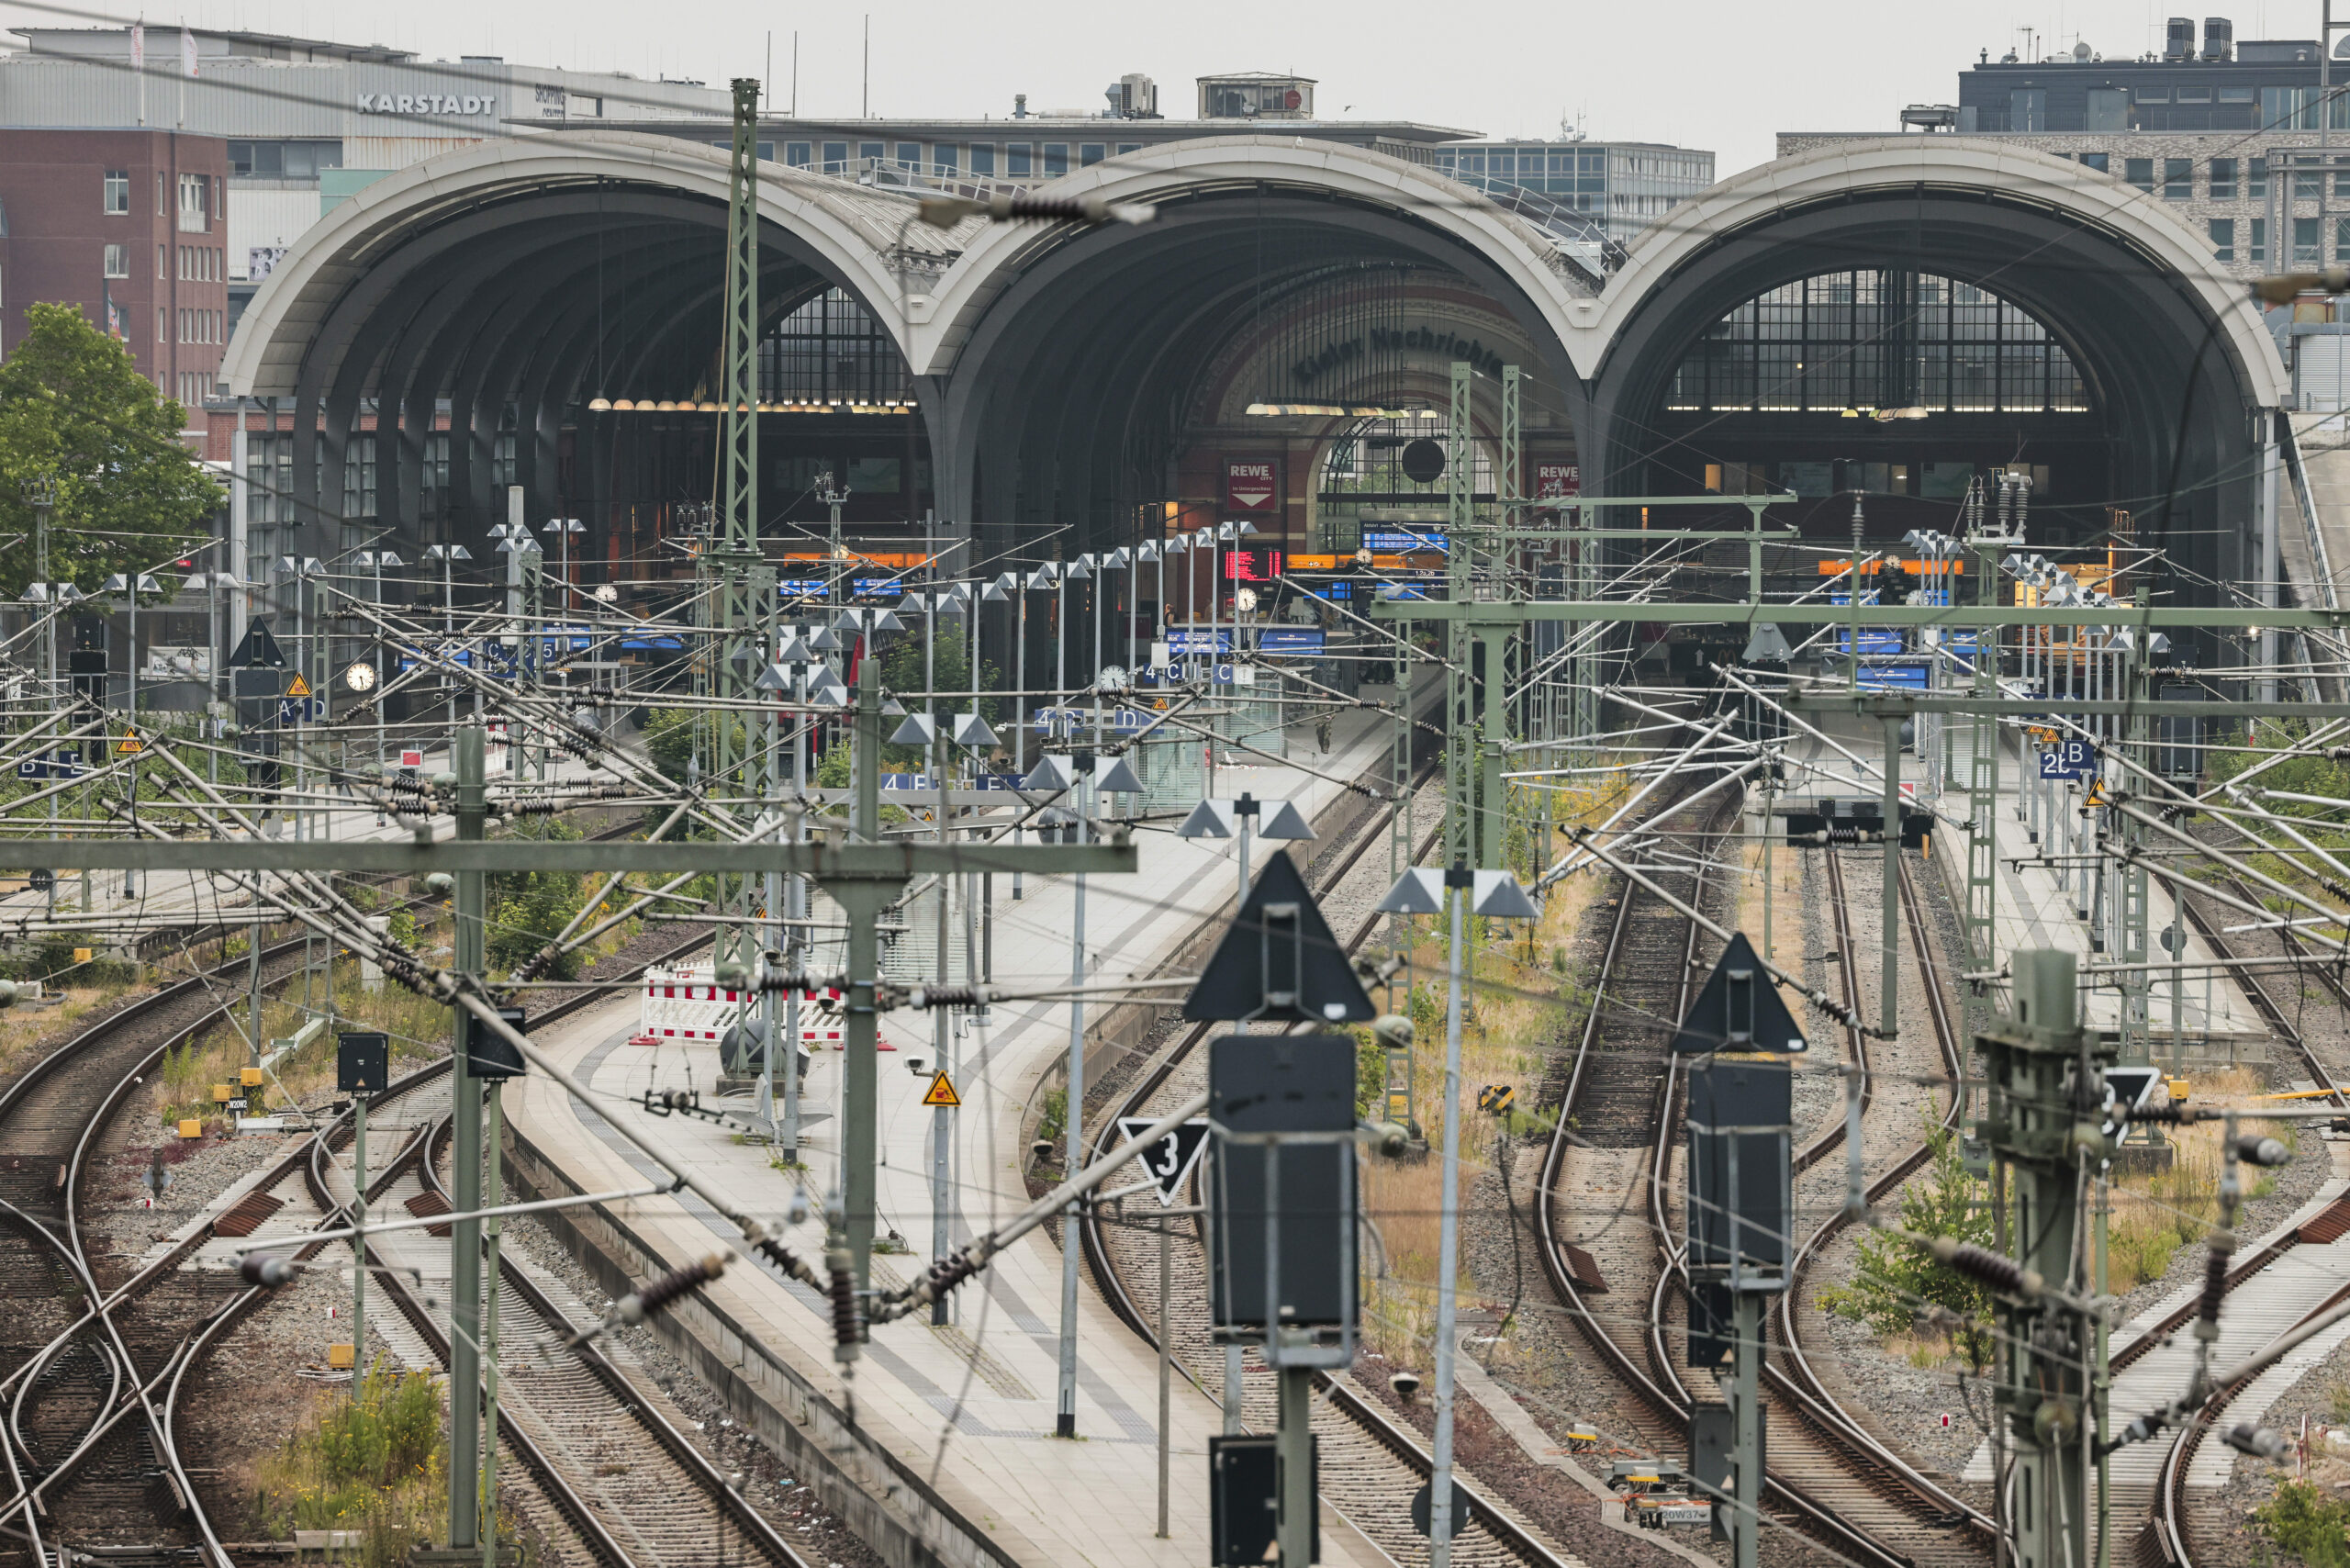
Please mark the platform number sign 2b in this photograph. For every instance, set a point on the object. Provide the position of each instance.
(1169, 1161)
(2067, 760)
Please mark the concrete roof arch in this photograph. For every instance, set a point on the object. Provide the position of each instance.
(850, 233)
(942, 322)
(1943, 166)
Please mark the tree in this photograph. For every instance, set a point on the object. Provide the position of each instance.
(1897, 1277)
(74, 410)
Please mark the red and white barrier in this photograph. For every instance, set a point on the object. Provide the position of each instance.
(684, 1005)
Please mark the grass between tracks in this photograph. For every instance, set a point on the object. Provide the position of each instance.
(418, 1029)
(1525, 991)
(374, 1461)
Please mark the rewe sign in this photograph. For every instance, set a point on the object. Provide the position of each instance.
(1252, 484)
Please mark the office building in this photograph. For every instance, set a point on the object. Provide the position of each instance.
(130, 226)
(1623, 186)
(304, 121)
(2236, 138)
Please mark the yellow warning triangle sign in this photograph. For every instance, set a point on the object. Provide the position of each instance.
(130, 742)
(2095, 796)
(297, 687)
(942, 1092)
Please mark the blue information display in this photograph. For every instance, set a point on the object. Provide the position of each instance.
(1403, 540)
(1182, 641)
(1290, 640)
(1877, 641)
(1908, 675)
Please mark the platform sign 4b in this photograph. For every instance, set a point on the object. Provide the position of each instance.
(2068, 759)
(1171, 1161)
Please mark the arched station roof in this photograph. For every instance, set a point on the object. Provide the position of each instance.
(1053, 361)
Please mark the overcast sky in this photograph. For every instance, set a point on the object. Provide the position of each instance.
(1704, 73)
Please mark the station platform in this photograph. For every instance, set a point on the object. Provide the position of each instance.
(2034, 906)
(967, 1407)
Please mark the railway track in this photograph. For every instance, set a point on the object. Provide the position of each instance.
(1370, 1463)
(1830, 1477)
(2168, 1539)
(90, 1396)
(617, 1468)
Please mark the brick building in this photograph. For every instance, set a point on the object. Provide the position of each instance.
(131, 227)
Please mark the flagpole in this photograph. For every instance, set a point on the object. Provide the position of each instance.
(138, 63)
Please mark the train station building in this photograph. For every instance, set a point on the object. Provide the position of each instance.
(1884, 319)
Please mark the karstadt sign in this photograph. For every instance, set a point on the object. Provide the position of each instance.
(428, 104)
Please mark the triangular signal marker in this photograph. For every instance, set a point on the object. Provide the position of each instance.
(1279, 960)
(1740, 1009)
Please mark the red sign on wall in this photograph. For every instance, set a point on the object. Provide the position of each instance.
(1556, 481)
(1252, 484)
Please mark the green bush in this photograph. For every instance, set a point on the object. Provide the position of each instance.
(2307, 1523)
(1898, 1276)
(1054, 1126)
(1371, 1075)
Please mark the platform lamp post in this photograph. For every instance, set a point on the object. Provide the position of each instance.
(565, 528)
(1080, 570)
(212, 585)
(1119, 560)
(129, 585)
(58, 595)
(1496, 895)
(1149, 554)
(447, 556)
(377, 560)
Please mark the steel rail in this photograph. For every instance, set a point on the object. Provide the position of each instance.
(1659, 1390)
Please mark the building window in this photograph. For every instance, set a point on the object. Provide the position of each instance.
(2341, 237)
(2139, 171)
(982, 158)
(868, 152)
(1878, 339)
(2224, 179)
(836, 157)
(2255, 179)
(118, 261)
(2179, 179)
(2028, 110)
(1090, 153)
(194, 210)
(943, 158)
(796, 153)
(910, 156)
(2101, 162)
(2307, 183)
(1127, 147)
(2108, 110)
(1056, 159)
(118, 190)
(830, 351)
(2305, 242)
(1017, 158)
(162, 209)
(2258, 251)
(162, 325)
(2223, 238)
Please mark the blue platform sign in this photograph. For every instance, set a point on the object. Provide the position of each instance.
(2068, 759)
(1906, 673)
(1290, 640)
(57, 764)
(1189, 639)
(908, 781)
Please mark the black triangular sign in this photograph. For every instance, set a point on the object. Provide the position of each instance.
(1740, 1009)
(1168, 1162)
(1311, 980)
(257, 650)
